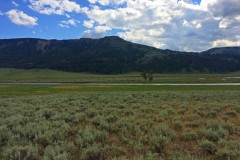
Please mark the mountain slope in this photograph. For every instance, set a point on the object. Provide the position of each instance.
(223, 50)
(108, 55)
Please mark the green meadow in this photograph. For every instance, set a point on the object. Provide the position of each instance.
(43, 75)
(26, 90)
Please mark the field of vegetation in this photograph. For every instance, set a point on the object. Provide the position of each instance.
(43, 75)
(118, 122)
(123, 124)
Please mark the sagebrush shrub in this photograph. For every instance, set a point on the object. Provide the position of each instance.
(207, 146)
(28, 152)
(93, 152)
(158, 143)
(228, 150)
(189, 135)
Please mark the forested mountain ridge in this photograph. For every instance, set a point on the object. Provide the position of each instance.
(223, 50)
(111, 55)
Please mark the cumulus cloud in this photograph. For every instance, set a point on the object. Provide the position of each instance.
(68, 23)
(97, 32)
(190, 1)
(223, 8)
(180, 25)
(15, 3)
(194, 23)
(228, 12)
(229, 23)
(225, 42)
(67, 15)
(88, 24)
(107, 2)
(59, 7)
(20, 18)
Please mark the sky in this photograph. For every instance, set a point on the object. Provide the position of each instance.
(183, 25)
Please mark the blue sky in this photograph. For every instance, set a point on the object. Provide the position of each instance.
(190, 25)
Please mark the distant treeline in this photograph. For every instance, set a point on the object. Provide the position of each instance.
(112, 55)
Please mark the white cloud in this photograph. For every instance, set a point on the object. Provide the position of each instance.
(102, 28)
(223, 8)
(1, 14)
(20, 18)
(102, 2)
(68, 23)
(194, 23)
(228, 23)
(97, 32)
(228, 13)
(225, 42)
(143, 36)
(15, 4)
(173, 24)
(107, 2)
(88, 24)
(59, 7)
(67, 15)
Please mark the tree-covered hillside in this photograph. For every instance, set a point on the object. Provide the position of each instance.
(110, 55)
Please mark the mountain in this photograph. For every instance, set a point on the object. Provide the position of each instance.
(223, 50)
(110, 55)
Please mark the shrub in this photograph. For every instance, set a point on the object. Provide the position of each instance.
(215, 135)
(14, 120)
(229, 127)
(4, 135)
(212, 114)
(91, 112)
(93, 152)
(165, 131)
(211, 135)
(28, 152)
(58, 151)
(231, 113)
(101, 123)
(237, 109)
(111, 118)
(149, 156)
(189, 135)
(194, 123)
(48, 132)
(177, 125)
(214, 125)
(115, 151)
(89, 136)
(47, 114)
(228, 150)
(207, 146)
(79, 117)
(184, 157)
(157, 143)
(139, 147)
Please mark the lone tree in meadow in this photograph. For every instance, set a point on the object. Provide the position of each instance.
(144, 75)
(150, 77)
(147, 75)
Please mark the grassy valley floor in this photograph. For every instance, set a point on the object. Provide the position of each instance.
(43, 75)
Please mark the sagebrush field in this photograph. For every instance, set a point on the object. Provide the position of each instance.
(146, 125)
